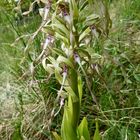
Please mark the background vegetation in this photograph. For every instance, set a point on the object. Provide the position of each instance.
(25, 111)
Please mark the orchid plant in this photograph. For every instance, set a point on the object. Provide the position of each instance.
(71, 28)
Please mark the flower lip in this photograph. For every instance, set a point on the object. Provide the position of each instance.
(50, 38)
(65, 70)
(93, 27)
(76, 57)
(64, 13)
(63, 7)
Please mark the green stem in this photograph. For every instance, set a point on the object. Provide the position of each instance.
(76, 105)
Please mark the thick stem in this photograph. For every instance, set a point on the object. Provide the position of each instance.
(76, 104)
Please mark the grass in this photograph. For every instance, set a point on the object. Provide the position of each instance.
(117, 89)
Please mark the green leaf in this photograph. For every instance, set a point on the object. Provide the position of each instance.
(61, 30)
(61, 59)
(62, 38)
(83, 129)
(80, 89)
(60, 20)
(74, 9)
(93, 17)
(67, 131)
(84, 34)
(60, 27)
(84, 53)
(74, 110)
(90, 2)
(56, 136)
(57, 51)
(71, 93)
(137, 77)
(97, 133)
(48, 67)
(82, 138)
(54, 62)
(48, 30)
(58, 76)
